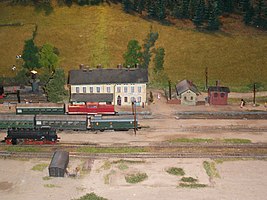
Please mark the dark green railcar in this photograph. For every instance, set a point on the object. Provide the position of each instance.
(42, 109)
(16, 121)
(62, 122)
(116, 123)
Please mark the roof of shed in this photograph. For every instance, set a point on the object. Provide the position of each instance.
(218, 89)
(60, 160)
(186, 85)
(106, 97)
(105, 76)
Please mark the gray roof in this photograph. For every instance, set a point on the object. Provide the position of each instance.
(186, 85)
(105, 76)
(106, 97)
(218, 89)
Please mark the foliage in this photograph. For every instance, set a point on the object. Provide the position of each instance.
(51, 186)
(151, 98)
(211, 169)
(46, 178)
(22, 77)
(91, 196)
(55, 87)
(149, 42)
(176, 171)
(191, 140)
(189, 179)
(237, 141)
(112, 150)
(30, 55)
(136, 178)
(192, 185)
(159, 60)
(133, 55)
(48, 58)
(40, 167)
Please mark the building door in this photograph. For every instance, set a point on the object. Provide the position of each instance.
(119, 100)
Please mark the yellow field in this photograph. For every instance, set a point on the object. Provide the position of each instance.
(100, 34)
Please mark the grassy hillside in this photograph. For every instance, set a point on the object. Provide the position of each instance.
(237, 56)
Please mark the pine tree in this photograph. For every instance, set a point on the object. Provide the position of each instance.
(133, 54)
(55, 87)
(248, 11)
(126, 4)
(141, 6)
(161, 9)
(151, 9)
(185, 9)
(192, 8)
(159, 60)
(198, 17)
(213, 21)
(148, 43)
(30, 55)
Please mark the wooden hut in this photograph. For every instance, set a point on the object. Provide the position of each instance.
(187, 92)
(58, 164)
(218, 95)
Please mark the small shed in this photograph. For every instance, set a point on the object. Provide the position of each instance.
(218, 95)
(187, 92)
(58, 164)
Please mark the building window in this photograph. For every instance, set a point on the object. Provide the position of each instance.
(125, 99)
(84, 89)
(139, 89)
(139, 99)
(77, 90)
(91, 89)
(98, 89)
(108, 89)
(222, 95)
(184, 97)
(125, 89)
(132, 99)
(192, 98)
(118, 89)
(132, 89)
(215, 95)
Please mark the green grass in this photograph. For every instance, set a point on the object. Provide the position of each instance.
(100, 34)
(122, 166)
(46, 178)
(22, 149)
(51, 186)
(112, 150)
(211, 169)
(136, 178)
(122, 161)
(189, 179)
(91, 196)
(175, 171)
(107, 176)
(237, 141)
(40, 167)
(192, 185)
(191, 140)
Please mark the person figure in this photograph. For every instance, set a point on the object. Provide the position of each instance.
(242, 104)
(158, 96)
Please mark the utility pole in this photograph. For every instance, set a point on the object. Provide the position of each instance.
(206, 76)
(254, 94)
(134, 113)
(170, 90)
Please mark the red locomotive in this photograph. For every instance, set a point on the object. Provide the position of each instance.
(91, 108)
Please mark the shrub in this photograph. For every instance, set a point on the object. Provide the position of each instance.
(136, 178)
(176, 171)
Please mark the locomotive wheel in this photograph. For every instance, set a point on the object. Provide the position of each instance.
(14, 141)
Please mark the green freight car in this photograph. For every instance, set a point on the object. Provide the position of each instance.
(62, 122)
(37, 108)
(16, 121)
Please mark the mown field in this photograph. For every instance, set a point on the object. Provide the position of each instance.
(237, 55)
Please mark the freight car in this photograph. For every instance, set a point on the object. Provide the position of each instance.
(61, 109)
(31, 136)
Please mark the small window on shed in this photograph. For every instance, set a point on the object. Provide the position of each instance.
(192, 98)
(184, 97)
(222, 95)
(215, 95)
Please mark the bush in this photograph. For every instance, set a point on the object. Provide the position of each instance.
(91, 196)
(176, 171)
(136, 178)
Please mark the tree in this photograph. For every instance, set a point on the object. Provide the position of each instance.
(159, 60)
(161, 9)
(30, 55)
(213, 21)
(149, 42)
(198, 17)
(151, 9)
(248, 12)
(127, 5)
(48, 58)
(185, 9)
(133, 54)
(55, 87)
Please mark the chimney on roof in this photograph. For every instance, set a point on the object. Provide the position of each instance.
(81, 66)
(119, 66)
(218, 83)
(99, 66)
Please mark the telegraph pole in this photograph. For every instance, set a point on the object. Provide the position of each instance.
(254, 94)
(206, 75)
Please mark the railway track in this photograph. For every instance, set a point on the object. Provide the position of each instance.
(258, 151)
